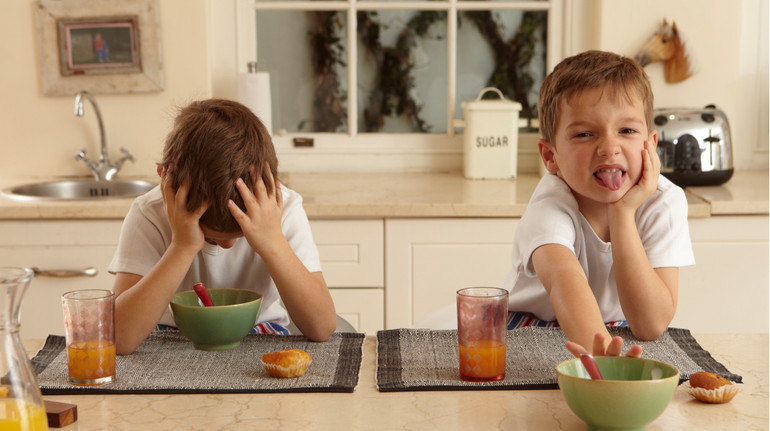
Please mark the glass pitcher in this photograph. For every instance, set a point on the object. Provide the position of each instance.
(21, 404)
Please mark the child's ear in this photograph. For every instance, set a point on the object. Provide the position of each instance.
(548, 154)
(653, 139)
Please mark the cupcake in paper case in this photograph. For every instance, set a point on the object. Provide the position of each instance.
(712, 388)
(286, 363)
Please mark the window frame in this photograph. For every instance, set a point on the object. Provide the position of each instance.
(353, 150)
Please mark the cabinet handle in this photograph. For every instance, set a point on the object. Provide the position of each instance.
(62, 273)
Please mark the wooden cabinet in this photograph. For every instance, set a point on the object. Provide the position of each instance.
(57, 245)
(351, 254)
(391, 273)
(428, 260)
(727, 289)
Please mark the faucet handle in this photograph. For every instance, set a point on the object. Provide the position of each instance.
(81, 155)
(126, 155)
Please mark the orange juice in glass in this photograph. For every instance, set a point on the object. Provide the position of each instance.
(482, 314)
(89, 323)
(91, 360)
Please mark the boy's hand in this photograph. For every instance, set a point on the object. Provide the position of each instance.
(261, 223)
(648, 182)
(613, 349)
(185, 226)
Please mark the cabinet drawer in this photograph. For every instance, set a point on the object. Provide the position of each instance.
(41, 312)
(351, 252)
(363, 308)
(57, 245)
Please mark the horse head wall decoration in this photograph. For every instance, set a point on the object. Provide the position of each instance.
(668, 45)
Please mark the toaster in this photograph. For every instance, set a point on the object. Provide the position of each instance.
(694, 145)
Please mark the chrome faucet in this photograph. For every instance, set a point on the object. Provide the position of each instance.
(104, 170)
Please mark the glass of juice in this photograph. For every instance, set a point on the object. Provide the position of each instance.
(482, 314)
(89, 329)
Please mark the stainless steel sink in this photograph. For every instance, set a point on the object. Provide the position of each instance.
(78, 190)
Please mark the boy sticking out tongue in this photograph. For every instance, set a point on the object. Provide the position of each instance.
(604, 235)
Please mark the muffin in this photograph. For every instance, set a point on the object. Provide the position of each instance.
(712, 388)
(286, 363)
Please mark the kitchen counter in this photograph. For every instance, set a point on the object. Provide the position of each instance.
(367, 408)
(377, 195)
(745, 193)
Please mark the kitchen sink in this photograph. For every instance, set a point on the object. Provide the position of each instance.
(78, 189)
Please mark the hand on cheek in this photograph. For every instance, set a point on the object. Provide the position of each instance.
(647, 183)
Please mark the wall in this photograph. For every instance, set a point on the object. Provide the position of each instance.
(40, 135)
(729, 40)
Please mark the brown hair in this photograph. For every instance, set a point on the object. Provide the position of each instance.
(591, 69)
(214, 142)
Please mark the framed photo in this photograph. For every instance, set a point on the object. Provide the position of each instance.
(99, 46)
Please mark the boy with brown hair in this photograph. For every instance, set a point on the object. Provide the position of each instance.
(219, 216)
(604, 234)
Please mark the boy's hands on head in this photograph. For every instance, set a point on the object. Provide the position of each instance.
(185, 228)
(600, 348)
(647, 183)
(261, 223)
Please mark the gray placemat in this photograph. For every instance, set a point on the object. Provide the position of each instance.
(421, 360)
(167, 363)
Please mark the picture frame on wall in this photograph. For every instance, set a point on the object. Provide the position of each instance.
(99, 46)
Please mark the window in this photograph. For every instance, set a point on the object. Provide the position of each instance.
(384, 78)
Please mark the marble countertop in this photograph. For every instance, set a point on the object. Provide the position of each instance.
(367, 408)
(379, 195)
(745, 193)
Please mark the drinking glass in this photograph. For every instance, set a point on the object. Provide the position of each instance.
(89, 329)
(482, 314)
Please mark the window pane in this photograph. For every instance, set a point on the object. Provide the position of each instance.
(306, 55)
(504, 49)
(402, 71)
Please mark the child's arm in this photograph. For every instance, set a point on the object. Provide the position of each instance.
(571, 297)
(141, 301)
(647, 295)
(304, 294)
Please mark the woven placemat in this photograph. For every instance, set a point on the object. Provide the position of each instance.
(423, 360)
(167, 363)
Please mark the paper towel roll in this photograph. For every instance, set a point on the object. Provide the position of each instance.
(254, 92)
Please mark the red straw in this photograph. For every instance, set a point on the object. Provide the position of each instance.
(200, 289)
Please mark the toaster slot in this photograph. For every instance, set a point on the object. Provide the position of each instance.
(687, 155)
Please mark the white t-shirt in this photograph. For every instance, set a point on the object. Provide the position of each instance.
(553, 217)
(146, 234)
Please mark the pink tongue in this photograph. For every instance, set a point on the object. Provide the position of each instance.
(611, 180)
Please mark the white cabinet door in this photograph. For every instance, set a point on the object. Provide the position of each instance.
(57, 245)
(351, 254)
(362, 308)
(428, 260)
(727, 289)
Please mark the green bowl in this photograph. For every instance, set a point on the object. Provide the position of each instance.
(221, 327)
(634, 392)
